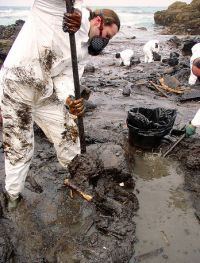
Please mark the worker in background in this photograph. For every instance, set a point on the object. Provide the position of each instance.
(36, 82)
(125, 57)
(148, 49)
(194, 64)
(191, 128)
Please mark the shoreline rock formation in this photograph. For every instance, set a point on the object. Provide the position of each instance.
(180, 18)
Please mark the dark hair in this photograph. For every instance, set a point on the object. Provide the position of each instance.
(117, 55)
(109, 17)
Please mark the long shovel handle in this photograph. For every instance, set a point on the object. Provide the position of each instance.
(69, 7)
(174, 145)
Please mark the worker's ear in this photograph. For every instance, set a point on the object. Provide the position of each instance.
(97, 20)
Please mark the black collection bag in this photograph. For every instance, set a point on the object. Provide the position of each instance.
(148, 126)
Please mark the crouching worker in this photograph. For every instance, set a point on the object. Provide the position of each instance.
(125, 57)
(148, 49)
(37, 81)
(194, 64)
(191, 128)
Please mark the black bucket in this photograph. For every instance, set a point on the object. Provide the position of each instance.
(147, 127)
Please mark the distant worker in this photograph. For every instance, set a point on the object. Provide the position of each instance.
(191, 128)
(148, 49)
(195, 64)
(125, 57)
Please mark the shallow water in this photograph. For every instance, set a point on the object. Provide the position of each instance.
(167, 228)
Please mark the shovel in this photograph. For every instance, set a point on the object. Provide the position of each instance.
(174, 145)
(69, 7)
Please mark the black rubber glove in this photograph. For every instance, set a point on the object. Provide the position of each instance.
(72, 21)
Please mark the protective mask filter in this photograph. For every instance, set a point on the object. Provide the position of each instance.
(97, 44)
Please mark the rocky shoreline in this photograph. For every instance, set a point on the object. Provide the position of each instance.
(180, 18)
(49, 226)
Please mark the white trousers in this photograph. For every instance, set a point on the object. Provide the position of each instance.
(19, 116)
(192, 79)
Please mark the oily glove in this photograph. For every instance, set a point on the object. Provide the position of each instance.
(72, 21)
(76, 107)
(190, 130)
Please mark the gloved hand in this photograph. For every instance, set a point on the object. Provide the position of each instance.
(190, 130)
(72, 21)
(76, 107)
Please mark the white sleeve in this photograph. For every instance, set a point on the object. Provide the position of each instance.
(196, 119)
(78, 4)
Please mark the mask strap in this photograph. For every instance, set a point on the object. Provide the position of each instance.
(101, 24)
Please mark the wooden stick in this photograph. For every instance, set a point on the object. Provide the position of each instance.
(78, 190)
(157, 88)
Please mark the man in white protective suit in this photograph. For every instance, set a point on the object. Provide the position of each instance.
(195, 123)
(148, 49)
(194, 64)
(125, 57)
(37, 81)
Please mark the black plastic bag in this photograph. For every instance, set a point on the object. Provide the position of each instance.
(148, 126)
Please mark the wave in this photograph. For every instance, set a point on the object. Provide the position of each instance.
(11, 13)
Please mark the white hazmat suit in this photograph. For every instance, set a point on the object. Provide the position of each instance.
(125, 57)
(196, 120)
(148, 49)
(36, 79)
(195, 55)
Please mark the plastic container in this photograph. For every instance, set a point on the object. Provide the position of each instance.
(147, 127)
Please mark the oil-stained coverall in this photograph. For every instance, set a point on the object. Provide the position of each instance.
(195, 55)
(35, 81)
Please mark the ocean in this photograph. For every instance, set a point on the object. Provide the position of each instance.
(129, 16)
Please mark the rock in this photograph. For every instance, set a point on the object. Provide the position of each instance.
(126, 91)
(89, 106)
(134, 37)
(169, 70)
(187, 46)
(171, 82)
(156, 56)
(89, 69)
(174, 55)
(139, 69)
(135, 61)
(142, 28)
(173, 61)
(175, 41)
(180, 18)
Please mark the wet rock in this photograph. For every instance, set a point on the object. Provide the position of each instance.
(187, 46)
(169, 70)
(139, 69)
(126, 91)
(173, 61)
(171, 82)
(175, 41)
(89, 69)
(89, 106)
(135, 61)
(142, 28)
(156, 56)
(180, 18)
(134, 37)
